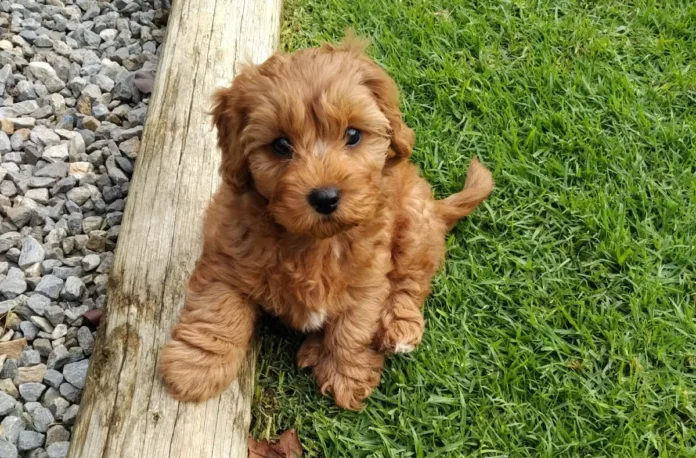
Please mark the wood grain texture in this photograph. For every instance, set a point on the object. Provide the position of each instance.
(125, 411)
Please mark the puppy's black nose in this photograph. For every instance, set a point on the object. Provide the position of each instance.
(324, 200)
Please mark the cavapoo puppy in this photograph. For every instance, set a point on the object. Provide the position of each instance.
(320, 220)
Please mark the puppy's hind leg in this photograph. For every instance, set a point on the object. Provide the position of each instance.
(209, 343)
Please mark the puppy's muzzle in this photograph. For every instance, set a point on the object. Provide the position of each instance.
(324, 200)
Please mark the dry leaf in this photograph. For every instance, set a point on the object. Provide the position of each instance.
(288, 446)
(261, 449)
(13, 349)
(94, 316)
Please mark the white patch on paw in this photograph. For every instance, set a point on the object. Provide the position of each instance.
(315, 321)
(403, 347)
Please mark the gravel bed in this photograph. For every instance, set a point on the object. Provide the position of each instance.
(75, 79)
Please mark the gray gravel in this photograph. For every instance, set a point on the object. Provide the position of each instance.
(72, 110)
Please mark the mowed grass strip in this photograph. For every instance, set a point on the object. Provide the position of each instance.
(562, 324)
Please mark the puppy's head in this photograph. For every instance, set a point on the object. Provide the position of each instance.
(311, 132)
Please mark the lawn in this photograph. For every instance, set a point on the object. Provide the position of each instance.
(562, 324)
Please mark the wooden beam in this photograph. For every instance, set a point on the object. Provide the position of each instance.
(125, 411)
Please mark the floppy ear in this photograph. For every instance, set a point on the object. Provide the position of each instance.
(385, 92)
(386, 95)
(229, 118)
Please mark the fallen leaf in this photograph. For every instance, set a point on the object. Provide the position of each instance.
(145, 78)
(13, 348)
(288, 446)
(261, 449)
(94, 316)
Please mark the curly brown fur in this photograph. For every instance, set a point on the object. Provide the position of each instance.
(355, 279)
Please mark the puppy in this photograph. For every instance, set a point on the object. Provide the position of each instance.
(320, 220)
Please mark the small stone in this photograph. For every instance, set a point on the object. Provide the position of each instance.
(64, 185)
(130, 147)
(57, 153)
(29, 440)
(44, 135)
(10, 429)
(5, 144)
(32, 252)
(58, 406)
(75, 223)
(55, 170)
(41, 70)
(70, 393)
(8, 189)
(50, 286)
(29, 330)
(20, 216)
(53, 378)
(58, 450)
(31, 407)
(55, 314)
(76, 148)
(48, 397)
(105, 83)
(26, 107)
(85, 339)
(57, 102)
(42, 419)
(7, 449)
(71, 415)
(91, 123)
(80, 169)
(7, 403)
(43, 346)
(119, 135)
(100, 111)
(42, 323)
(91, 223)
(18, 138)
(97, 241)
(14, 283)
(58, 357)
(8, 387)
(12, 255)
(76, 373)
(29, 357)
(73, 290)
(79, 195)
(31, 391)
(33, 374)
(39, 452)
(57, 433)
(90, 262)
(38, 303)
(40, 195)
(60, 331)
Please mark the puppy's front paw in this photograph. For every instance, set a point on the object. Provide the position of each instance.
(349, 384)
(309, 352)
(192, 374)
(402, 335)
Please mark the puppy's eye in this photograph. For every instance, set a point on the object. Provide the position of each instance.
(353, 136)
(282, 147)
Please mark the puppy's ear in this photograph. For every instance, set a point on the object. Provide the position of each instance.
(386, 95)
(229, 117)
(384, 90)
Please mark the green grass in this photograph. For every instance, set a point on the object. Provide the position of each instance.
(562, 324)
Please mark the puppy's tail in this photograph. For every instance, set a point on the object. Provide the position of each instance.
(477, 187)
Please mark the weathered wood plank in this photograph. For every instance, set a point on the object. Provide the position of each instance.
(125, 411)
